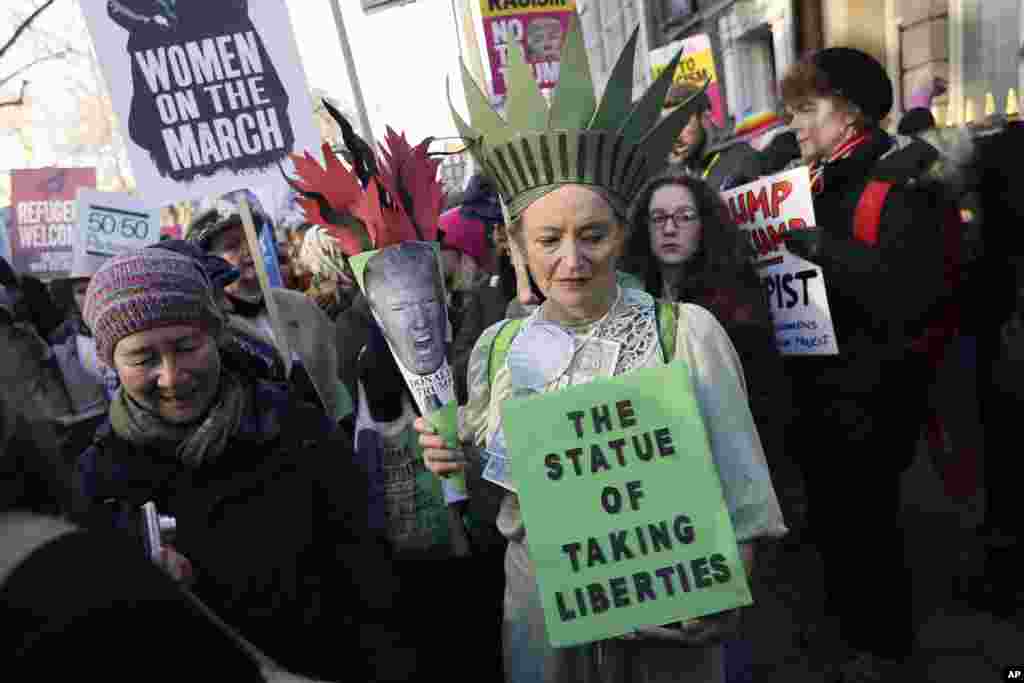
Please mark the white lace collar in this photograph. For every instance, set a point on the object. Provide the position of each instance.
(632, 323)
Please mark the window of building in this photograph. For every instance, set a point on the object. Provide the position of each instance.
(453, 172)
(607, 25)
(923, 54)
(756, 94)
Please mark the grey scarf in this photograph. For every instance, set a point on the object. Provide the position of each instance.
(195, 444)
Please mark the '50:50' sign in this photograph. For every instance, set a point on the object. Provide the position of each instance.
(126, 224)
(108, 230)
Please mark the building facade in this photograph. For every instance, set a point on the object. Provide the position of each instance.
(753, 41)
(961, 57)
(966, 53)
(607, 25)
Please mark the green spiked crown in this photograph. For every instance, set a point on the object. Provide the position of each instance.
(614, 145)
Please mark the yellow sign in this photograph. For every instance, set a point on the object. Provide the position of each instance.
(510, 8)
(696, 67)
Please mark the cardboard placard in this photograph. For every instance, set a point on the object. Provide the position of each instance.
(540, 26)
(766, 210)
(45, 219)
(408, 301)
(696, 67)
(211, 96)
(623, 505)
(112, 223)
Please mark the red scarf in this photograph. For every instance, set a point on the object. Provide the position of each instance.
(843, 151)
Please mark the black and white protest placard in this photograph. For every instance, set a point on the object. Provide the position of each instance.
(211, 94)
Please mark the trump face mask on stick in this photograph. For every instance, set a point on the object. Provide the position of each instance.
(384, 212)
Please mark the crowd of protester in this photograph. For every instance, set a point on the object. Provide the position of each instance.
(159, 378)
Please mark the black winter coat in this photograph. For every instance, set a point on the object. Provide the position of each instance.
(277, 535)
(881, 296)
(87, 605)
(727, 167)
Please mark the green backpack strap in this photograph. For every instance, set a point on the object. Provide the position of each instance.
(500, 346)
(667, 316)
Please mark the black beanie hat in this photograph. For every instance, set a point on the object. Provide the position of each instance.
(858, 77)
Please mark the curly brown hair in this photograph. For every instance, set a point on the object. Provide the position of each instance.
(723, 259)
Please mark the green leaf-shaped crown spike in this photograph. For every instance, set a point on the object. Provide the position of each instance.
(573, 104)
(647, 111)
(617, 101)
(482, 117)
(534, 150)
(525, 107)
(667, 130)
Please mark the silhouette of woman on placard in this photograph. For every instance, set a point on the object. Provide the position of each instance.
(240, 143)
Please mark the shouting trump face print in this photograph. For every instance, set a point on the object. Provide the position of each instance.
(404, 289)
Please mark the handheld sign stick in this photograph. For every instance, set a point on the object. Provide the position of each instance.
(523, 291)
(253, 240)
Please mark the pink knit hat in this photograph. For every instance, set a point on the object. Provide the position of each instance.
(145, 289)
(468, 236)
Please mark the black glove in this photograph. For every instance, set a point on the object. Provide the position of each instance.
(381, 378)
(805, 243)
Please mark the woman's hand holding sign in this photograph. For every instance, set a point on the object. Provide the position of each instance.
(805, 243)
(438, 457)
(700, 632)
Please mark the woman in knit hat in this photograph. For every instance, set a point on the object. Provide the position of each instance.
(880, 246)
(466, 253)
(271, 511)
(54, 627)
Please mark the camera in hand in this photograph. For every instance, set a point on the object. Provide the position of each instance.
(156, 529)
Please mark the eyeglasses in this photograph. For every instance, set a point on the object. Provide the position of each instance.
(681, 218)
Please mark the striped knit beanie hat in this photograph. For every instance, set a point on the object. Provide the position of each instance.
(146, 289)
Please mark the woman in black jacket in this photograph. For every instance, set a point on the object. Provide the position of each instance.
(76, 602)
(270, 509)
(880, 245)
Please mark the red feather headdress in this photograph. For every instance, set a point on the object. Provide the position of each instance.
(402, 199)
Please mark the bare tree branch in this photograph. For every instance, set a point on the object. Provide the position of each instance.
(24, 26)
(53, 55)
(21, 97)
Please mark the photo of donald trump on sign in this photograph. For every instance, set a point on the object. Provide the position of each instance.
(405, 290)
(384, 213)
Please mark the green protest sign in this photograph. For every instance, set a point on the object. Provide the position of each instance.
(625, 517)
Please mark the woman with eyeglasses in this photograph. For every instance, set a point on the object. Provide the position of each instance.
(685, 248)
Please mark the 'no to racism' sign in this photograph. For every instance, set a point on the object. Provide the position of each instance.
(696, 67)
(623, 505)
(539, 26)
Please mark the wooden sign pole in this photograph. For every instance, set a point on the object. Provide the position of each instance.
(253, 240)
